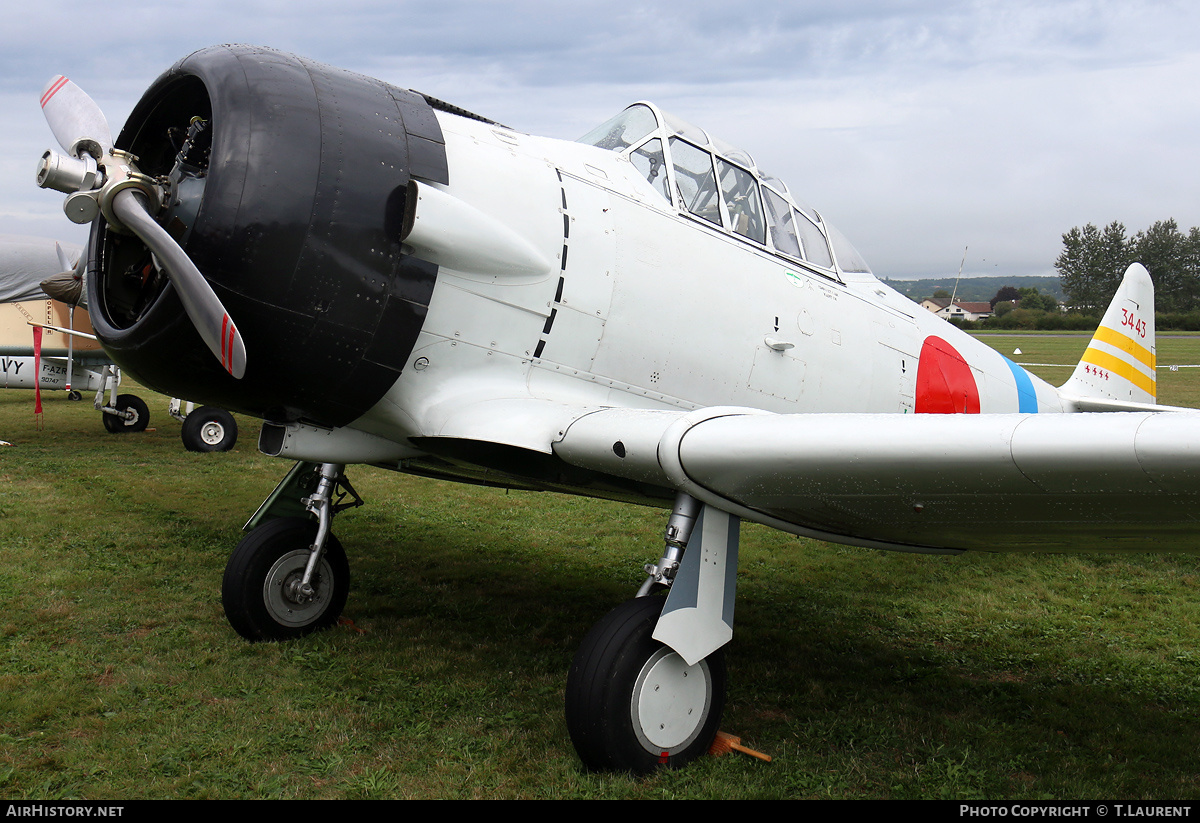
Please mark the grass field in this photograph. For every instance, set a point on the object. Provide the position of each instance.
(1175, 388)
(864, 674)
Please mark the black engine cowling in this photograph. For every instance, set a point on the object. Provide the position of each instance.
(289, 195)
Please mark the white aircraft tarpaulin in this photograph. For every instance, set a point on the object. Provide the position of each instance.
(25, 262)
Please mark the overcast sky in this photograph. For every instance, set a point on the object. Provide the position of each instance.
(917, 127)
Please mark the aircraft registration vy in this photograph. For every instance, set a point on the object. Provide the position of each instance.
(644, 315)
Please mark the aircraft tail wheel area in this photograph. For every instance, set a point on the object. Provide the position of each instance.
(633, 704)
(263, 591)
(209, 429)
(131, 417)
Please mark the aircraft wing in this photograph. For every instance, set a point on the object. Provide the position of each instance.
(927, 483)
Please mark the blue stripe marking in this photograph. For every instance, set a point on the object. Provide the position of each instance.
(1026, 396)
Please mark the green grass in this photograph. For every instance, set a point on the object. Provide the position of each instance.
(864, 674)
(1175, 388)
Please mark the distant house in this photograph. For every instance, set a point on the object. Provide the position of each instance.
(946, 309)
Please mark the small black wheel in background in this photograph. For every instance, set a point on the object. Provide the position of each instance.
(209, 429)
(136, 422)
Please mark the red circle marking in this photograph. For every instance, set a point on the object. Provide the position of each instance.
(945, 384)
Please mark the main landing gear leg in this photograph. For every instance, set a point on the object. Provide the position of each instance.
(289, 576)
(647, 686)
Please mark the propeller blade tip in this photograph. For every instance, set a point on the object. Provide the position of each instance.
(56, 82)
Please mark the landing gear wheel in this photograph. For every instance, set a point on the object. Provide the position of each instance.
(209, 429)
(259, 591)
(136, 423)
(74, 395)
(633, 704)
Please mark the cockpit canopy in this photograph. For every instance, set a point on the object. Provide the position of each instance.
(720, 184)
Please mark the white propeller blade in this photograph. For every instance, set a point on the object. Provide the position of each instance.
(62, 257)
(73, 116)
(201, 303)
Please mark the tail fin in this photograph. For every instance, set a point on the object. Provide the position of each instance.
(1119, 364)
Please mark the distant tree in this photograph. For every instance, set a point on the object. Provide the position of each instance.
(1191, 268)
(1076, 265)
(1005, 293)
(1091, 264)
(1033, 300)
(940, 293)
(1166, 254)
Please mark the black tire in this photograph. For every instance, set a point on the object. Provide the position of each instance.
(137, 423)
(254, 590)
(74, 395)
(209, 429)
(633, 704)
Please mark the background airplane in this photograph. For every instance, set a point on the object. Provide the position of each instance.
(25, 262)
(644, 315)
(70, 358)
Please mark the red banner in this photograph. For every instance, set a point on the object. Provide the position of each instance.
(37, 374)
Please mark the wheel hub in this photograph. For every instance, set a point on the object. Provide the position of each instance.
(212, 433)
(670, 702)
(287, 602)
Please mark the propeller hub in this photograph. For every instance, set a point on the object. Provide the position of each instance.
(121, 174)
(67, 174)
(86, 146)
(91, 186)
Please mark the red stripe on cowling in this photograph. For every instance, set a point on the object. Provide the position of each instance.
(50, 92)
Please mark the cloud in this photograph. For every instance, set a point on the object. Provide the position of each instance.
(917, 126)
